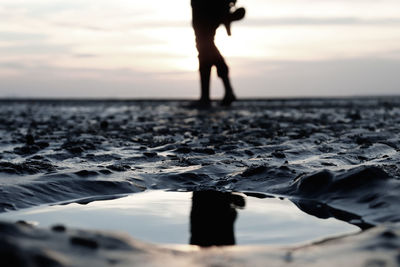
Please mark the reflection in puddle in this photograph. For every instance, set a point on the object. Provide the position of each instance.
(213, 216)
(202, 218)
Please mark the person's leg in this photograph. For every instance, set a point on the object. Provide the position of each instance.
(223, 73)
(204, 44)
(229, 96)
(209, 56)
(205, 73)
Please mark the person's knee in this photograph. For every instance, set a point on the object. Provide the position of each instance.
(222, 70)
(205, 67)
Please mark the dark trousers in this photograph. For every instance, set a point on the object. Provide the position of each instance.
(208, 55)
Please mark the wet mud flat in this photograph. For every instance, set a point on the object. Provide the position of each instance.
(333, 158)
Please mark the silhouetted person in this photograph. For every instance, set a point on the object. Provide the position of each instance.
(207, 15)
(212, 218)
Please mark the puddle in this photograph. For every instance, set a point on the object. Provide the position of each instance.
(202, 218)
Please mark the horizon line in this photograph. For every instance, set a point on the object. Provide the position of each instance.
(165, 99)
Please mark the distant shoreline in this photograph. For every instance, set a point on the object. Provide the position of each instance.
(247, 99)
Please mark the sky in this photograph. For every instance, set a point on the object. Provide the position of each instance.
(145, 49)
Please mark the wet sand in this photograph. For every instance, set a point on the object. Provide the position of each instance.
(23, 245)
(331, 157)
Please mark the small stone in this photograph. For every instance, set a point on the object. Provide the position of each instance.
(84, 242)
(24, 223)
(104, 125)
(59, 228)
(183, 149)
(249, 152)
(29, 139)
(150, 154)
(279, 154)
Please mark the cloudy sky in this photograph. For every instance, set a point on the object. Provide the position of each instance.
(136, 49)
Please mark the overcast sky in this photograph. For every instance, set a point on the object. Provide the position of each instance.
(135, 48)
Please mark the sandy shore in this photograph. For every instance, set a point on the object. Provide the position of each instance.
(331, 157)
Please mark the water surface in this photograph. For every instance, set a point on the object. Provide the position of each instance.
(180, 218)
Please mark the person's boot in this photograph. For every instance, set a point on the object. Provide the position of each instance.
(228, 99)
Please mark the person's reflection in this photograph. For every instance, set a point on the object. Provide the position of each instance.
(212, 218)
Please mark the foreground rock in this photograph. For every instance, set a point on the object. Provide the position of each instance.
(24, 245)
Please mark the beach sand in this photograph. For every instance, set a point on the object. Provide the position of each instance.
(331, 157)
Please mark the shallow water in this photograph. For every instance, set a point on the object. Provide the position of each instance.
(168, 218)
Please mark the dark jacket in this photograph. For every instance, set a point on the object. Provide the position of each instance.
(210, 11)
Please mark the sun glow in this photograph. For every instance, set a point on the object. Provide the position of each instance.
(129, 38)
(174, 47)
